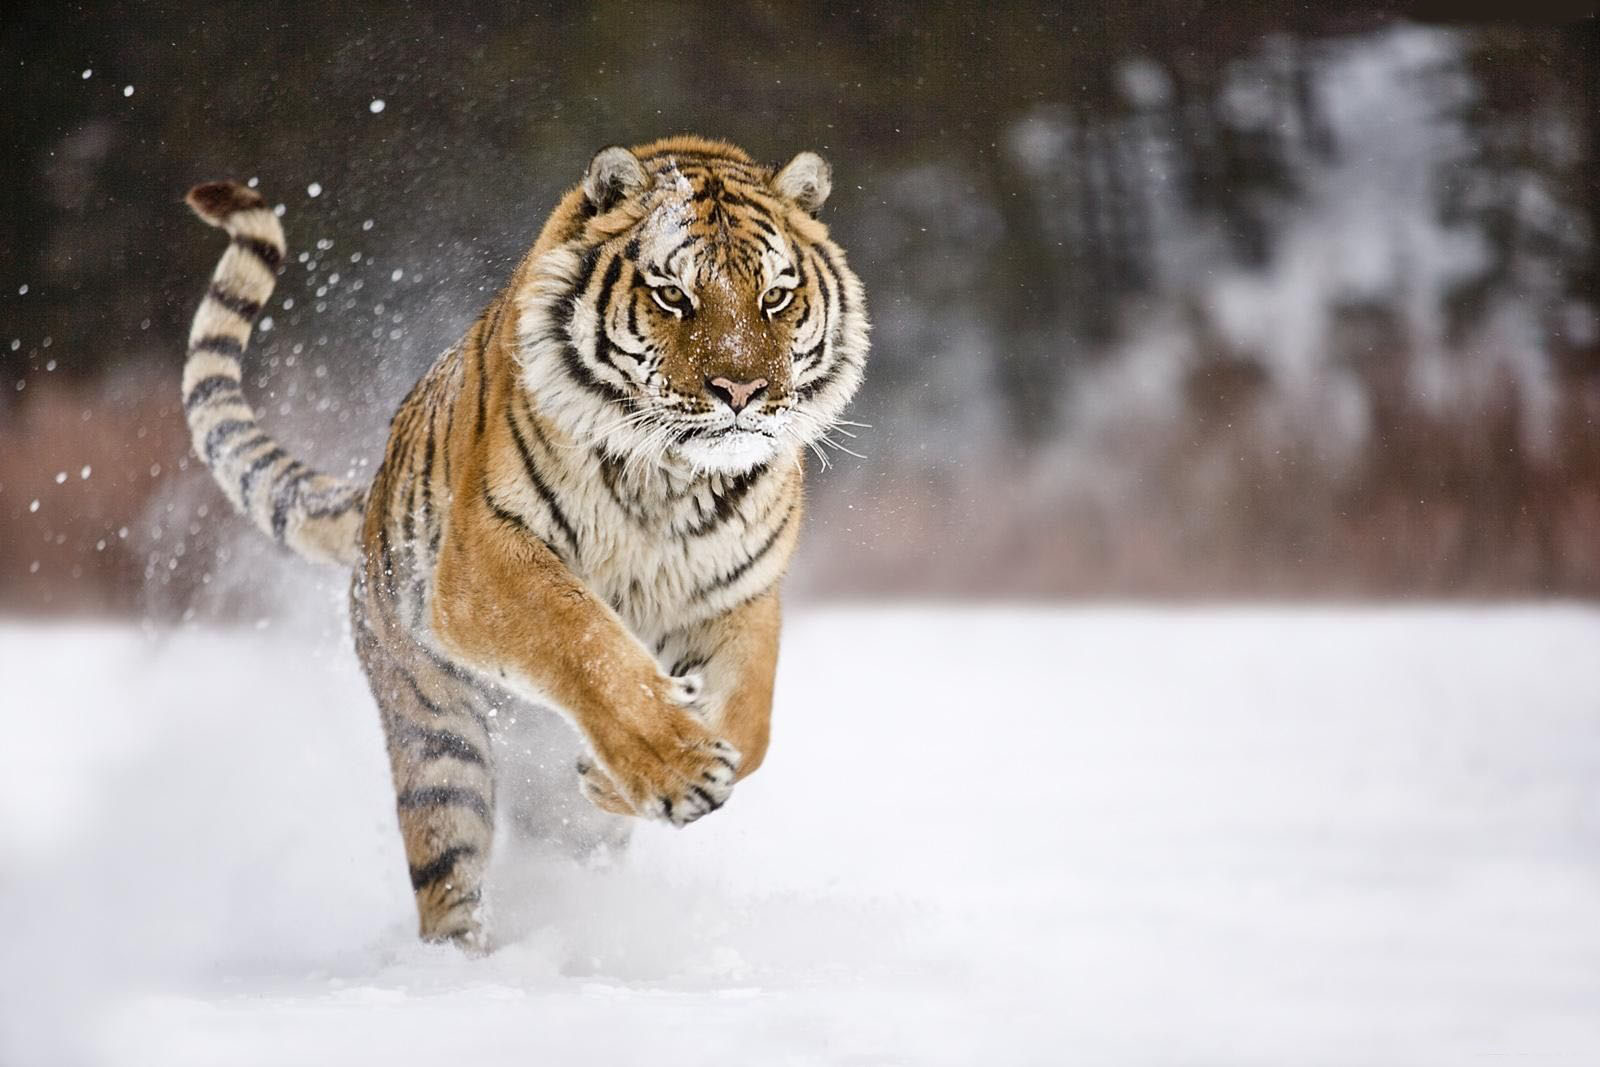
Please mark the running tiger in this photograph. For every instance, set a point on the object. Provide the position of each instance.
(586, 504)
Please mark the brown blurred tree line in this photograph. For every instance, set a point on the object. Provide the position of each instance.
(1025, 188)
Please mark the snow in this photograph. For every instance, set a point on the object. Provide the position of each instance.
(1009, 835)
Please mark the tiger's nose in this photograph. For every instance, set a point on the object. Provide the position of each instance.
(737, 395)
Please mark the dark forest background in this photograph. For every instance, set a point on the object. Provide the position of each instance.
(1171, 299)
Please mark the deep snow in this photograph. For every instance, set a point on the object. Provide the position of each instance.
(1105, 836)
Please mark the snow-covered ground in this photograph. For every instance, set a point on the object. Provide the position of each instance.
(997, 836)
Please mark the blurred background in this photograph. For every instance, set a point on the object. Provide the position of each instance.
(1171, 299)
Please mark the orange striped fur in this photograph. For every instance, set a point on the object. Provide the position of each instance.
(586, 504)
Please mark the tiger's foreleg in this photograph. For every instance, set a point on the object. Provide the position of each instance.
(739, 667)
(435, 724)
(732, 660)
(505, 603)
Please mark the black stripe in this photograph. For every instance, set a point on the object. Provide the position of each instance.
(844, 299)
(586, 269)
(219, 434)
(710, 189)
(344, 497)
(805, 359)
(539, 485)
(427, 476)
(479, 351)
(444, 796)
(586, 377)
(724, 581)
(825, 278)
(437, 743)
(823, 380)
(408, 517)
(421, 698)
(284, 495)
(727, 504)
(239, 305)
(454, 671)
(255, 440)
(677, 249)
(610, 472)
(603, 345)
(571, 358)
(267, 253)
(440, 868)
(257, 465)
(506, 515)
(608, 283)
(520, 400)
(207, 387)
(391, 583)
(685, 665)
(220, 344)
(483, 389)
(633, 319)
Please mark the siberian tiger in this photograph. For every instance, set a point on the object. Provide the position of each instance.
(587, 503)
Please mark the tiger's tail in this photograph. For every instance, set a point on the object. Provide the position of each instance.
(317, 515)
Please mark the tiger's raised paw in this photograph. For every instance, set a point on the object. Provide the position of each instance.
(699, 782)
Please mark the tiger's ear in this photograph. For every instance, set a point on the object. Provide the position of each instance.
(614, 173)
(807, 180)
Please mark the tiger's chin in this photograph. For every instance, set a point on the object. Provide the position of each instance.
(732, 451)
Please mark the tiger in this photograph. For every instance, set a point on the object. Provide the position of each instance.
(587, 504)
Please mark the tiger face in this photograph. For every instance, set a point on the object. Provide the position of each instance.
(696, 315)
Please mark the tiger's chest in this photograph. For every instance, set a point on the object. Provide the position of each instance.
(668, 553)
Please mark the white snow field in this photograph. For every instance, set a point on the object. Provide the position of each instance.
(984, 836)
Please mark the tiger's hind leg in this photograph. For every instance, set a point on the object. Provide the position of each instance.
(435, 723)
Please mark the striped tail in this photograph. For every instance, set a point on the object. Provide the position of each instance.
(317, 515)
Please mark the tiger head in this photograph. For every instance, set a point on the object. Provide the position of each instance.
(684, 307)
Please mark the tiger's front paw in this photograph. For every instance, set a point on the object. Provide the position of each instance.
(697, 783)
(663, 765)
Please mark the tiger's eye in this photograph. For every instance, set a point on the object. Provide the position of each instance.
(776, 299)
(671, 298)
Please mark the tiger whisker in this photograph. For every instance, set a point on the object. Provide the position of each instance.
(831, 443)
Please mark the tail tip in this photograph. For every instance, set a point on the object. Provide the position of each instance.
(215, 201)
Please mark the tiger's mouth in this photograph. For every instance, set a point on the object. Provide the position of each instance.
(717, 433)
(758, 424)
(731, 448)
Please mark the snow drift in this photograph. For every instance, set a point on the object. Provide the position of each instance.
(983, 836)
